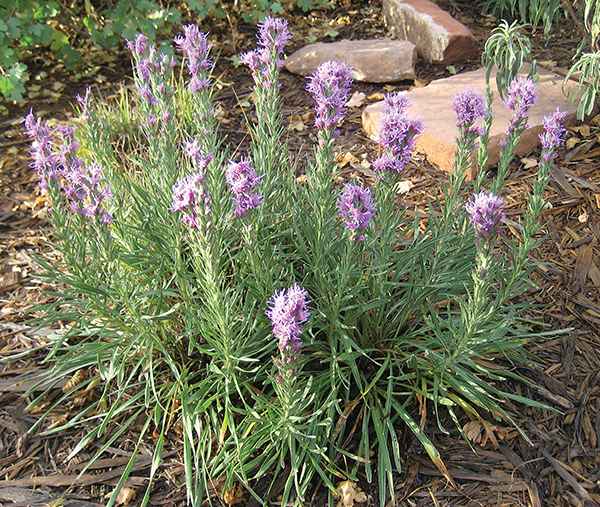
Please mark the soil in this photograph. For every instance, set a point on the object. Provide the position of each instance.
(556, 464)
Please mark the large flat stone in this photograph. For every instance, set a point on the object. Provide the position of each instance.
(436, 34)
(373, 61)
(434, 102)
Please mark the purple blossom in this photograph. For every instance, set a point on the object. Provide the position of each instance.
(522, 95)
(273, 34)
(189, 197)
(85, 102)
(554, 130)
(329, 86)
(485, 211)
(287, 311)
(196, 48)
(242, 178)
(54, 153)
(398, 133)
(138, 47)
(357, 207)
(469, 105)
(153, 72)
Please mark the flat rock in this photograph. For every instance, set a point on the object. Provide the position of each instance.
(436, 34)
(373, 61)
(433, 103)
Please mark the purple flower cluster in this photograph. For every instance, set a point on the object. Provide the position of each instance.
(85, 104)
(287, 310)
(189, 197)
(273, 35)
(469, 105)
(242, 178)
(329, 86)
(485, 211)
(552, 135)
(54, 154)
(521, 97)
(153, 74)
(398, 133)
(196, 48)
(357, 207)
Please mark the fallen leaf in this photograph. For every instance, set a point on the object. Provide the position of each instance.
(583, 130)
(125, 496)
(473, 431)
(528, 163)
(376, 96)
(357, 100)
(348, 493)
(346, 159)
(297, 124)
(571, 142)
(389, 88)
(234, 495)
(75, 380)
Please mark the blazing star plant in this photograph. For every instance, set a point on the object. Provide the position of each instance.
(259, 323)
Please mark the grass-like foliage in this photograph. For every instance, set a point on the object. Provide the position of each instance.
(280, 327)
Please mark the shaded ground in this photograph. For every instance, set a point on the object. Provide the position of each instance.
(560, 467)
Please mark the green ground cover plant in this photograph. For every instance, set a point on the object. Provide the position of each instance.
(282, 327)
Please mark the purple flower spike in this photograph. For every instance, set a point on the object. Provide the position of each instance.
(398, 133)
(85, 104)
(287, 310)
(273, 34)
(469, 105)
(329, 86)
(357, 207)
(189, 197)
(554, 129)
(196, 48)
(485, 211)
(139, 45)
(521, 97)
(242, 178)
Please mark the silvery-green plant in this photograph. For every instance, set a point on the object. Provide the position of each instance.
(278, 327)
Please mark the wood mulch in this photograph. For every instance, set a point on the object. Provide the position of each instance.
(561, 465)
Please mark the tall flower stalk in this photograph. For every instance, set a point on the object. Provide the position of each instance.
(471, 110)
(153, 76)
(521, 96)
(329, 87)
(265, 62)
(486, 214)
(196, 48)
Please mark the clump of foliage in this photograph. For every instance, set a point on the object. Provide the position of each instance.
(278, 326)
(27, 25)
(507, 47)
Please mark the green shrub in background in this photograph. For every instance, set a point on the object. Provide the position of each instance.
(507, 47)
(64, 27)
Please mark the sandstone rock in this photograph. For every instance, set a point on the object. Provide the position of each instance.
(434, 101)
(373, 61)
(437, 35)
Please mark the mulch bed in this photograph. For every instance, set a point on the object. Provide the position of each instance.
(560, 467)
